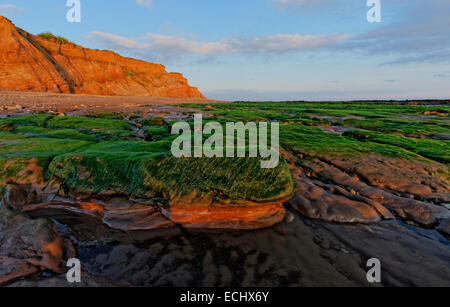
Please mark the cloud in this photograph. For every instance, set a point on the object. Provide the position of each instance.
(418, 34)
(113, 40)
(284, 43)
(331, 8)
(145, 3)
(306, 4)
(412, 31)
(10, 7)
(164, 46)
(442, 75)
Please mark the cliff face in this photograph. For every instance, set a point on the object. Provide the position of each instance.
(32, 63)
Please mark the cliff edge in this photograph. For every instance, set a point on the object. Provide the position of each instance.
(34, 63)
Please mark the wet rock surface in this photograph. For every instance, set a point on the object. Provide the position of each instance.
(300, 253)
(27, 246)
(344, 191)
(297, 252)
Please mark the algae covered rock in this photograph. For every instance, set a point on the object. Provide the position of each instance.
(85, 158)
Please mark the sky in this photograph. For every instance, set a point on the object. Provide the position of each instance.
(267, 49)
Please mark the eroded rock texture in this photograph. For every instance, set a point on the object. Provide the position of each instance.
(27, 246)
(364, 190)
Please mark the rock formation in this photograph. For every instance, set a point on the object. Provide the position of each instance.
(33, 63)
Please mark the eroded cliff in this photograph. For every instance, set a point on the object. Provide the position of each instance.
(33, 63)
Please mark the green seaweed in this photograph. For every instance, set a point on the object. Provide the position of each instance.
(432, 149)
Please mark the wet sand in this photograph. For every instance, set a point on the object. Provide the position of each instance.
(31, 101)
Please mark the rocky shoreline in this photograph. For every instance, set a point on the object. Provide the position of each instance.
(97, 194)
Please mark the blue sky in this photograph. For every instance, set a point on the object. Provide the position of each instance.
(268, 49)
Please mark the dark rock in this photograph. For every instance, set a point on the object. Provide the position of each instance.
(27, 246)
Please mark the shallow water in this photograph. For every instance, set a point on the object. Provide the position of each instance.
(302, 252)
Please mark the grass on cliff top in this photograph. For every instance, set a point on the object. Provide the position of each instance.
(49, 35)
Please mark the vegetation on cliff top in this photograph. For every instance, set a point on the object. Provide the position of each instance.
(49, 35)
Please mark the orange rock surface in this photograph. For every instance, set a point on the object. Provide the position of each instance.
(32, 63)
(251, 217)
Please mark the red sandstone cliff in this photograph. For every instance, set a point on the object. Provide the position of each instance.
(32, 63)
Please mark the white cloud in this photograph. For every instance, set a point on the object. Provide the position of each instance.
(145, 3)
(285, 4)
(114, 40)
(283, 43)
(178, 45)
(10, 7)
(163, 46)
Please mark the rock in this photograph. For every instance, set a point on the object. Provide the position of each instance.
(137, 218)
(401, 175)
(60, 281)
(12, 269)
(444, 227)
(123, 216)
(69, 250)
(232, 218)
(304, 253)
(28, 246)
(397, 177)
(84, 209)
(436, 112)
(6, 127)
(315, 202)
(32, 63)
(19, 195)
(289, 217)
